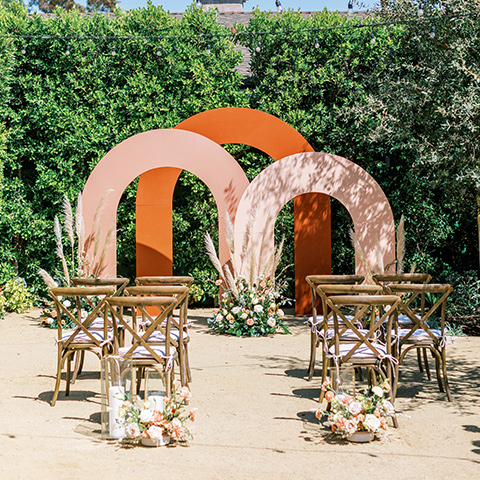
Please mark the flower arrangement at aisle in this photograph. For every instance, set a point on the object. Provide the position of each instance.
(250, 304)
(143, 421)
(367, 412)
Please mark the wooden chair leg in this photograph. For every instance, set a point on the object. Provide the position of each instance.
(313, 353)
(69, 372)
(324, 377)
(59, 377)
(437, 370)
(427, 367)
(445, 377)
(79, 360)
(187, 365)
(419, 360)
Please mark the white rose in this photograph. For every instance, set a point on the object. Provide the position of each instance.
(219, 317)
(355, 408)
(371, 422)
(146, 416)
(255, 300)
(258, 309)
(280, 313)
(176, 422)
(377, 391)
(155, 432)
(389, 408)
(271, 322)
(67, 303)
(132, 430)
(236, 310)
(244, 315)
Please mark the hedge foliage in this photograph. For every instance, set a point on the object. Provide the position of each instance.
(61, 113)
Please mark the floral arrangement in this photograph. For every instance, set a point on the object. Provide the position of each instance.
(250, 303)
(142, 421)
(363, 412)
(251, 311)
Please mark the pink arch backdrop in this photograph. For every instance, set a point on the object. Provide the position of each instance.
(323, 173)
(163, 148)
(273, 137)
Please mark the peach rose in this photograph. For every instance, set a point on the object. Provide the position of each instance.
(184, 392)
(250, 322)
(329, 396)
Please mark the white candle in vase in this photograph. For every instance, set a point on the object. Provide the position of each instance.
(116, 397)
(157, 402)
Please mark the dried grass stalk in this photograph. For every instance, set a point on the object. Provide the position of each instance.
(80, 230)
(59, 250)
(230, 237)
(49, 281)
(359, 253)
(212, 255)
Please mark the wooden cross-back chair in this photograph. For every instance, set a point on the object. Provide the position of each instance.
(179, 330)
(182, 319)
(409, 299)
(80, 338)
(118, 284)
(141, 351)
(316, 321)
(327, 332)
(369, 347)
(420, 335)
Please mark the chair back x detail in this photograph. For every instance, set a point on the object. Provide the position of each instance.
(80, 338)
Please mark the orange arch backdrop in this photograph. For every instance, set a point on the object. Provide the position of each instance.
(273, 137)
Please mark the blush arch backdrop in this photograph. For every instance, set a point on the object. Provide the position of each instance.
(163, 149)
(322, 173)
(273, 137)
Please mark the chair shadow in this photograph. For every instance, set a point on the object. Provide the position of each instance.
(74, 396)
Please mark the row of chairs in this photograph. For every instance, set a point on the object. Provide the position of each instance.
(375, 326)
(97, 309)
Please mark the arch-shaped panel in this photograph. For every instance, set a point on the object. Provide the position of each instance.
(273, 137)
(323, 173)
(163, 148)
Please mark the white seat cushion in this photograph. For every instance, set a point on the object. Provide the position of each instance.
(361, 352)
(404, 320)
(82, 337)
(419, 335)
(330, 322)
(142, 352)
(158, 336)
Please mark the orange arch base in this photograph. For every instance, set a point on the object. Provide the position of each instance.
(266, 133)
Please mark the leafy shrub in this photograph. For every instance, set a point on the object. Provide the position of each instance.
(17, 298)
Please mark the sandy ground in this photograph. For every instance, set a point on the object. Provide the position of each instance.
(255, 416)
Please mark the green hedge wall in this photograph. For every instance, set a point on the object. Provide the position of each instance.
(61, 113)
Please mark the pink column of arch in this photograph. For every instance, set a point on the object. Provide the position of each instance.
(322, 173)
(163, 148)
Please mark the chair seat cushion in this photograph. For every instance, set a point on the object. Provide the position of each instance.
(158, 336)
(361, 353)
(330, 322)
(82, 337)
(142, 352)
(404, 320)
(419, 335)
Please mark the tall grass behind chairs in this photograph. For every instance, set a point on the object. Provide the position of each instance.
(141, 352)
(119, 285)
(182, 319)
(420, 335)
(317, 320)
(403, 320)
(82, 306)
